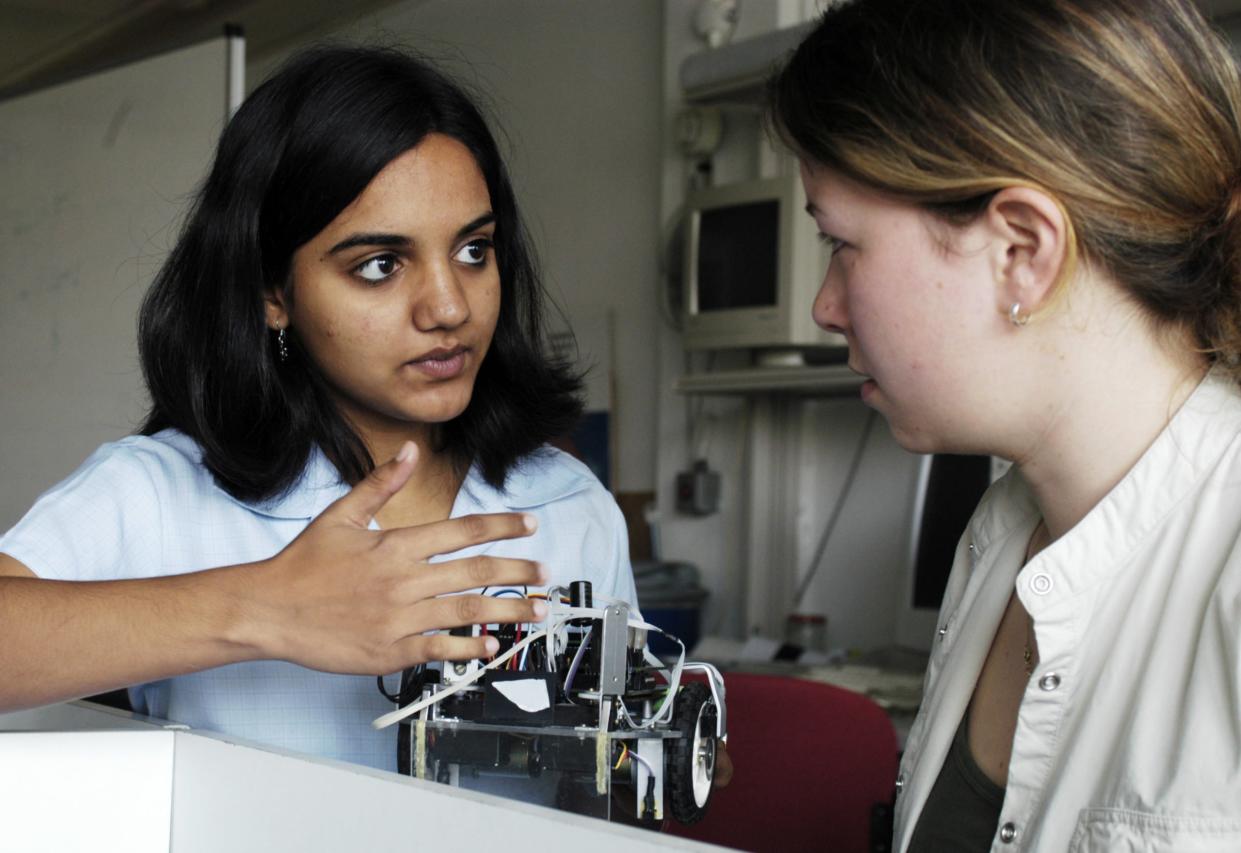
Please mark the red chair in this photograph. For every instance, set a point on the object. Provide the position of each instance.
(814, 769)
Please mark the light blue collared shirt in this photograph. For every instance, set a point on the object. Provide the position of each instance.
(146, 507)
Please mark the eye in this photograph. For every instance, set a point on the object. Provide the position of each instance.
(377, 268)
(833, 244)
(474, 252)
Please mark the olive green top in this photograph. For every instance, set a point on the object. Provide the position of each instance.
(963, 809)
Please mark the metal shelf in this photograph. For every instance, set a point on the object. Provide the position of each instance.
(738, 72)
(831, 381)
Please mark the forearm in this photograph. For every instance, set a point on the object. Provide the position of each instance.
(62, 640)
(340, 598)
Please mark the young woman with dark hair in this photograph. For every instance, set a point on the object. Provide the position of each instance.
(1035, 215)
(303, 148)
(352, 284)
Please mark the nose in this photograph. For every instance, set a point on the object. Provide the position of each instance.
(439, 299)
(829, 310)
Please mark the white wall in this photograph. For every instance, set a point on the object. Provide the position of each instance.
(575, 86)
(95, 175)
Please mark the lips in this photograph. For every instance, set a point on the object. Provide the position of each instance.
(869, 386)
(441, 362)
(439, 354)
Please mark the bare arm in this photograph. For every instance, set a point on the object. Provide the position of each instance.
(62, 639)
(340, 597)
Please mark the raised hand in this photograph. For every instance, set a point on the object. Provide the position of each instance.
(344, 598)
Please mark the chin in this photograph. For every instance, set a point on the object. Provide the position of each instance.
(925, 442)
(915, 440)
(918, 444)
(438, 414)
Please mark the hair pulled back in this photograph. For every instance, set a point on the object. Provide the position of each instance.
(301, 148)
(1127, 112)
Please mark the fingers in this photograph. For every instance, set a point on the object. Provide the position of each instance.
(477, 572)
(459, 610)
(453, 611)
(447, 647)
(369, 496)
(444, 537)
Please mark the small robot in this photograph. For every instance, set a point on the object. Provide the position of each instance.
(580, 708)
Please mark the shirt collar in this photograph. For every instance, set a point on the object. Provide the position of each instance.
(318, 486)
(540, 478)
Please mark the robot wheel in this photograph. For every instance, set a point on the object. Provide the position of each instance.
(690, 763)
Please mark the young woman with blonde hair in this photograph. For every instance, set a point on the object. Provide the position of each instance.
(1035, 212)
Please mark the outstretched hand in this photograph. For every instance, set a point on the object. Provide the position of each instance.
(344, 598)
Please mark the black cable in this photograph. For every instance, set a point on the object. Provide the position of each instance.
(379, 679)
(411, 686)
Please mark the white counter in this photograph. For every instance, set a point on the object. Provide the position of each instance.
(78, 776)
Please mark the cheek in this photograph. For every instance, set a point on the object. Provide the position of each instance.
(892, 321)
(360, 329)
(486, 306)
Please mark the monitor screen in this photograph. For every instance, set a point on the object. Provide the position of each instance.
(953, 489)
(738, 256)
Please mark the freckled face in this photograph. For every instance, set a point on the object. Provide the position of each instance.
(396, 300)
(915, 312)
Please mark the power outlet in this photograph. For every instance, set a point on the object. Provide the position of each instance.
(698, 490)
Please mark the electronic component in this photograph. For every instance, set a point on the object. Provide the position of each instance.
(580, 708)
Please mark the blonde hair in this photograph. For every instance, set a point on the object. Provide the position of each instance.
(1126, 112)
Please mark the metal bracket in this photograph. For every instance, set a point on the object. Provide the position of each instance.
(613, 653)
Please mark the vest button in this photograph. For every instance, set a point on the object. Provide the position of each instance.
(1008, 832)
(1049, 682)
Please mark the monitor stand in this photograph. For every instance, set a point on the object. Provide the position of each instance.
(780, 358)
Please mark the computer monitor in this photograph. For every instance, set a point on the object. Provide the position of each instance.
(947, 491)
(753, 264)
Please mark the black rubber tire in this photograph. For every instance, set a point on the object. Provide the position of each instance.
(679, 761)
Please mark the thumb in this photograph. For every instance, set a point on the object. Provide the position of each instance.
(369, 496)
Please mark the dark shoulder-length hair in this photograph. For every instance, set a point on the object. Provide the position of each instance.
(301, 148)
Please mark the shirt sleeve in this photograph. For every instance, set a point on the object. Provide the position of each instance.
(101, 523)
(618, 577)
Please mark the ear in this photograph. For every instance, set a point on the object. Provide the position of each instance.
(275, 307)
(1032, 237)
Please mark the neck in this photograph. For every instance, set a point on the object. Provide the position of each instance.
(429, 494)
(1102, 410)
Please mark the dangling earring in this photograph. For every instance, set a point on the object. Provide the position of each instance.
(1014, 315)
(282, 347)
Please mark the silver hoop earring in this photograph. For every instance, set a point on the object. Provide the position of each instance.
(282, 347)
(1014, 315)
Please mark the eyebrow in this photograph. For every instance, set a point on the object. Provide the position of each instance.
(400, 240)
